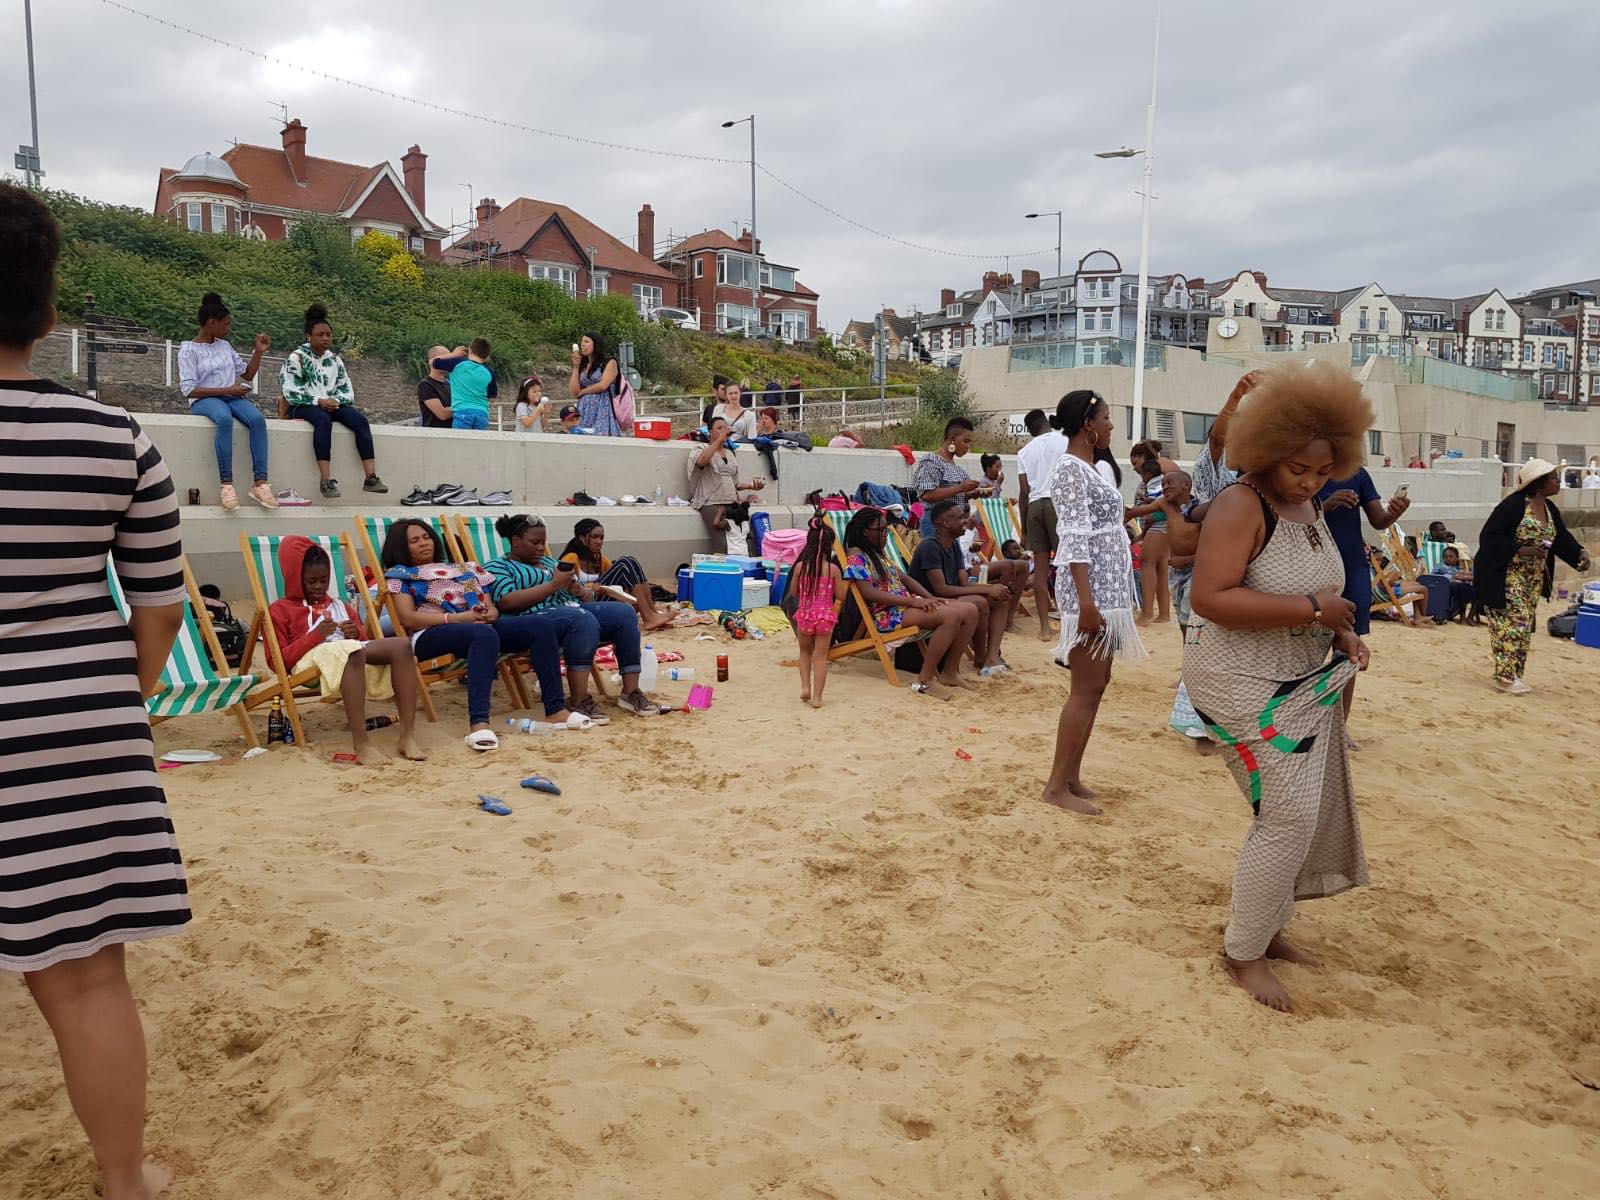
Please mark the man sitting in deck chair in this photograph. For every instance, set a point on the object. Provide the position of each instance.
(315, 628)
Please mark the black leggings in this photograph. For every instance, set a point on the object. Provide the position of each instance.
(322, 422)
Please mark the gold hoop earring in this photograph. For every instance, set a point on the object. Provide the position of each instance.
(1094, 439)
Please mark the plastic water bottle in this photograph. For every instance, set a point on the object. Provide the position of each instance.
(679, 673)
(529, 725)
(660, 495)
(649, 669)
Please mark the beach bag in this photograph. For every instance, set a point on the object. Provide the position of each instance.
(879, 495)
(230, 631)
(783, 545)
(1563, 625)
(622, 403)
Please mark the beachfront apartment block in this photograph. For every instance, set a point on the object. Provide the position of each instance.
(262, 191)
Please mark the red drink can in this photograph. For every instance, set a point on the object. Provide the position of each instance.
(722, 668)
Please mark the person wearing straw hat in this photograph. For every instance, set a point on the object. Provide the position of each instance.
(1521, 540)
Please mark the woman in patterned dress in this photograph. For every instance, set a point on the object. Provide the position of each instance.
(1517, 550)
(88, 859)
(1267, 613)
(1094, 589)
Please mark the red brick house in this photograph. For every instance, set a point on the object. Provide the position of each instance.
(551, 241)
(713, 270)
(260, 192)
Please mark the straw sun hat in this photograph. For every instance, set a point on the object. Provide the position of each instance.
(1534, 468)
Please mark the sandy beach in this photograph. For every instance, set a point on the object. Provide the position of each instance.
(769, 952)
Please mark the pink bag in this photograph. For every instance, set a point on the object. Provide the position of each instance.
(622, 404)
(783, 545)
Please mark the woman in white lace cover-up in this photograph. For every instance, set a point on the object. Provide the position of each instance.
(1094, 589)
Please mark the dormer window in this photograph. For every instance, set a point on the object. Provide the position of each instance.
(952, 310)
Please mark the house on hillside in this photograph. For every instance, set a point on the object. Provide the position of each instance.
(1574, 308)
(899, 332)
(545, 240)
(714, 273)
(261, 191)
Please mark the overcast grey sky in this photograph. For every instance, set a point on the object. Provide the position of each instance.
(1442, 152)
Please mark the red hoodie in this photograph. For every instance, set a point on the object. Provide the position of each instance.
(292, 616)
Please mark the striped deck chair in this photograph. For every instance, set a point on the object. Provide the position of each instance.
(266, 585)
(998, 516)
(1430, 557)
(370, 534)
(474, 537)
(1383, 595)
(870, 638)
(1394, 545)
(197, 678)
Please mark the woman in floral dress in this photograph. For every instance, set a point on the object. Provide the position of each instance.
(1517, 550)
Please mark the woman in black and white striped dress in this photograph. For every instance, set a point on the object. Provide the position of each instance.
(88, 859)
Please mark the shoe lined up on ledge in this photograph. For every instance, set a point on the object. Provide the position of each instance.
(453, 495)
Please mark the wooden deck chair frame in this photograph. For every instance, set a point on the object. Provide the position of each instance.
(464, 545)
(444, 669)
(1383, 594)
(1394, 544)
(208, 641)
(872, 638)
(264, 633)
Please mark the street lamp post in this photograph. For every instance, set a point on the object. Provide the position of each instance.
(1148, 152)
(755, 260)
(1057, 216)
(30, 154)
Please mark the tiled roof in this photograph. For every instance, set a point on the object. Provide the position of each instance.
(711, 239)
(515, 225)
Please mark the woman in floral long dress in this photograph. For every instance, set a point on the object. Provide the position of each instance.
(1094, 590)
(1267, 613)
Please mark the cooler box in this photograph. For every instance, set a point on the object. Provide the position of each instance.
(1588, 632)
(756, 593)
(780, 581)
(718, 586)
(657, 429)
(686, 584)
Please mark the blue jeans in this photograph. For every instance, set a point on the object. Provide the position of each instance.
(223, 411)
(480, 646)
(322, 422)
(471, 419)
(549, 635)
(619, 626)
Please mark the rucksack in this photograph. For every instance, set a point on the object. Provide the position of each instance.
(229, 629)
(622, 403)
(1563, 624)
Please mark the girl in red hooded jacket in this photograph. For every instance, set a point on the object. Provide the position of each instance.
(314, 627)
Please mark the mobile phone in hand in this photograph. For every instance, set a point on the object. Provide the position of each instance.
(1400, 492)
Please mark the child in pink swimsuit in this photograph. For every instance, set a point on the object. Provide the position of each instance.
(818, 585)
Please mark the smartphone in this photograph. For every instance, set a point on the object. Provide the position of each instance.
(1400, 492)
(565, 566)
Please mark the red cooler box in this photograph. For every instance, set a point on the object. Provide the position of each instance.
(657, 429)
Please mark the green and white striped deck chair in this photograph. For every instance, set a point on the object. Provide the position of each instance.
(267, 585)
(869, 637)
(370, 534)
(475, 538)
(1430, 556)
(192, 682)
(999, 518)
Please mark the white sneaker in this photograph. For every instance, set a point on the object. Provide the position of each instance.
(230, 498)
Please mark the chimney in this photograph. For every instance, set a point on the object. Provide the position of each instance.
(991, 280)
(294, 149)
(647, 232)
(415, 166)
(1261, 278)
(487, 208)
(1030, 281)
(947, 297)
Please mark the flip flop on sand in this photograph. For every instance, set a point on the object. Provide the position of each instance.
(539, 783)
(490, 805)
(483, 739)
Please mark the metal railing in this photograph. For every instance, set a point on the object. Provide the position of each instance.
(868, 406)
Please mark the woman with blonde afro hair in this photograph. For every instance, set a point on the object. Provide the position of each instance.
(1270, 649)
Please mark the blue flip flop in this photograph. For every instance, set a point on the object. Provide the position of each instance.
(539, 783)
(490, 805)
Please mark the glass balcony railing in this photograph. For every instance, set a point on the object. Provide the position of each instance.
(1096, 352)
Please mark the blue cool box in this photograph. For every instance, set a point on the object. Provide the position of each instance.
(1588, 633)
(718, 586)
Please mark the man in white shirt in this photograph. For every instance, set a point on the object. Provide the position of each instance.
(1036, 463)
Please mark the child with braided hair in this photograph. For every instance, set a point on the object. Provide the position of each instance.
(818, 586)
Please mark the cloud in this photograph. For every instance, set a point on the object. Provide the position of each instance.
(1439, 151)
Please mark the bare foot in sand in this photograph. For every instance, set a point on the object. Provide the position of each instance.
(1070, 802)
(1256, 977)
(1282, 948)
(816, 702)
(409, 749)
(154, 1180)
(805, 695)
(1083, 792)
(660, 621)
(367, 755)
(1046, 636)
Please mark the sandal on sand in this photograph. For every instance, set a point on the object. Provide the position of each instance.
(483, 739)
(538, 783)
(490, 805)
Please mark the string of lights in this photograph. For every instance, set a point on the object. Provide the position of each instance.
(578, 139)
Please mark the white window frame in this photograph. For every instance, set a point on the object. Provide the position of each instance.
(700, 267)
(725, 275)
(1383, 320)
(737, 317)
(565, 275)
(416, 244)
(289, 227)
(646, 297)
(1105, 320)
(953, 310)
(790, 324)
(219, 217)
(599, 282)
(191, 216)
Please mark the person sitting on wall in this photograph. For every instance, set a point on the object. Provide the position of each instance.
(568, 420)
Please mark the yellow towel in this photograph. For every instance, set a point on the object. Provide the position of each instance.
(329, 660)
(769, 619)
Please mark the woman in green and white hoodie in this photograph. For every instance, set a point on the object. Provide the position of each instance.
(316, 389)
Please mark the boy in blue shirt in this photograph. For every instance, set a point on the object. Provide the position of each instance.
(471, 385)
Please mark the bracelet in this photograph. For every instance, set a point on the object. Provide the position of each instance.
(1316, 609)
